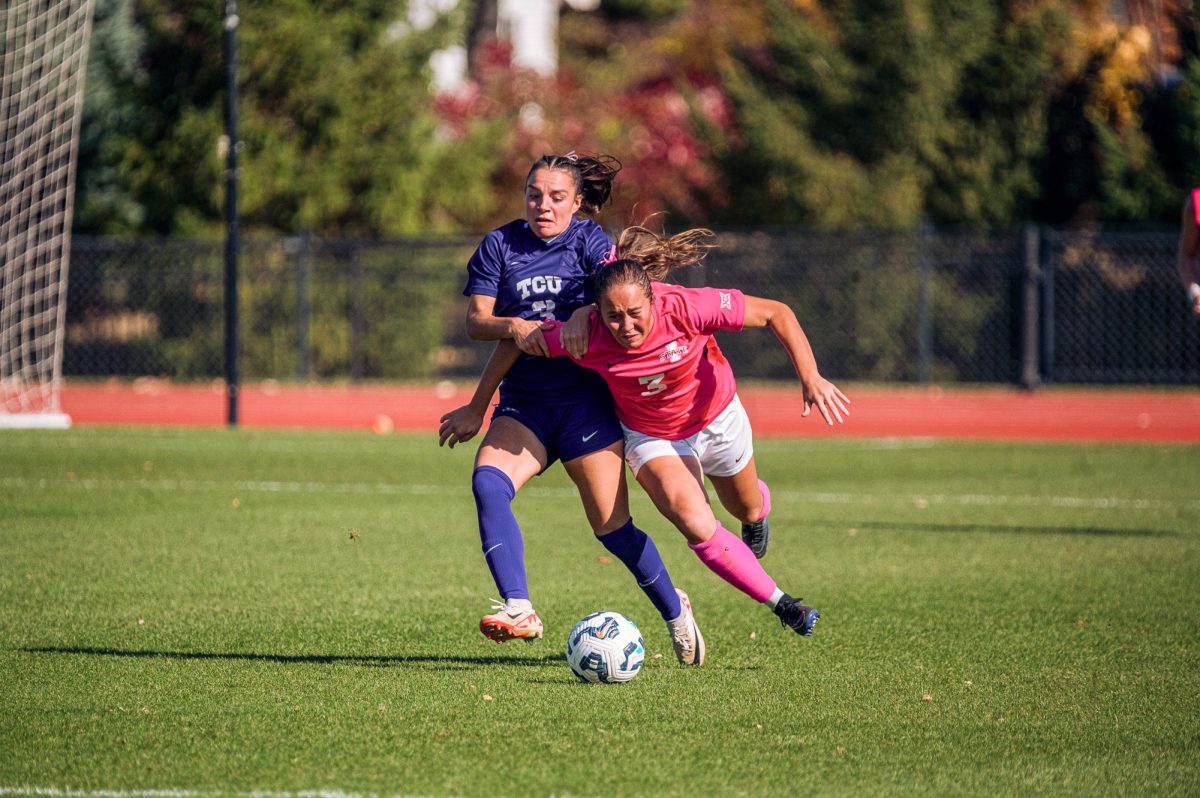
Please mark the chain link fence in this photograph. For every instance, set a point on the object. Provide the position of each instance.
(308, 309)
(1027, 307)
(1116, 312)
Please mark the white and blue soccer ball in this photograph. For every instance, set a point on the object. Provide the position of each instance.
(605, 647)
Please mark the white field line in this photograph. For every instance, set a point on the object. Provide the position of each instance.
(920, 500)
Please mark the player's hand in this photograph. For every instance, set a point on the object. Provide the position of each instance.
(527, 335)
(459, 426)
(829, 400)
(574, 333)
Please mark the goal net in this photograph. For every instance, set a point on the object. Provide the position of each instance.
(41, 92)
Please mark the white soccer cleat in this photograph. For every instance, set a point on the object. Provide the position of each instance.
(511, 623)
(685, 634)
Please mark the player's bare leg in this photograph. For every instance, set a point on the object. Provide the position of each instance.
(676, 486)
(600, 478)
(748, 499)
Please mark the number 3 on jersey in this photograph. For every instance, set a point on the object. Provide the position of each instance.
(544, 307)
(654, 384)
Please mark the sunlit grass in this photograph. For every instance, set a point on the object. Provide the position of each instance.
(274, 611)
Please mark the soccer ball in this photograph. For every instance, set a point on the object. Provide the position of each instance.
(605, 647)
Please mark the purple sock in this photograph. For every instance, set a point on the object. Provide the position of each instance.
(634, 547)
(503, 547)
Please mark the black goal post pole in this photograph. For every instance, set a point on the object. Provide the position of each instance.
(231, 213)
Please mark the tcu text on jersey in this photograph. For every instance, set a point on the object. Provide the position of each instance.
(542, 284)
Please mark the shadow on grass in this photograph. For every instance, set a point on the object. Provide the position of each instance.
(1015, 529)
(439, 662)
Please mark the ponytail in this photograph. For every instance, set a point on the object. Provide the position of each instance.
(660, 255)
(643, 255)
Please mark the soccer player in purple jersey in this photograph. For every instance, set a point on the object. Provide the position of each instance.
(524, 273)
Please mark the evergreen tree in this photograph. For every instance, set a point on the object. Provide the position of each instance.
(339, 130)
(102, 199)
(822, 113)
(996, 132)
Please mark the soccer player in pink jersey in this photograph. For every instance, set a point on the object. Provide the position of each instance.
(677, 400)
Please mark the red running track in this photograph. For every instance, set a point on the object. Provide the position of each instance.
(1171, 416)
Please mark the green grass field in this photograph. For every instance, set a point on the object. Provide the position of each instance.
(218, 612)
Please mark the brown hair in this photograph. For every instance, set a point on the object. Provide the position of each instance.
(593, 176)
(643, 255)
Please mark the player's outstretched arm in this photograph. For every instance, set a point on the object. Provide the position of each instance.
(462, 424)
(829, 400)
(484, 325)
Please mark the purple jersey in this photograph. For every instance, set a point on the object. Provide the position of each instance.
(535, 279)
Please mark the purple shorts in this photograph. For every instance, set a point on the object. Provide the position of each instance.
(567, 430)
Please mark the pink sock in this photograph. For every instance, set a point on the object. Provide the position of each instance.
(766, 494)
(729, 558)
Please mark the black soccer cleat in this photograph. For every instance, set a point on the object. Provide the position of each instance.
(795, 613)
(757, 535)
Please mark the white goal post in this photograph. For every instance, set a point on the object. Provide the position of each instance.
(41, 94)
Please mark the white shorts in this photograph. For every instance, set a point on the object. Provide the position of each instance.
(723, 448)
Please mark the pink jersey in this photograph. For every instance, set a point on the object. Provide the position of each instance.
(677, 381)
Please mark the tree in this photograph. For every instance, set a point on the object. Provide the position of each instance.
(340, 132)
(822, 113)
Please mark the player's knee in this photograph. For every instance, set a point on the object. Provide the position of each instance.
(491, 485)
(695, 522)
